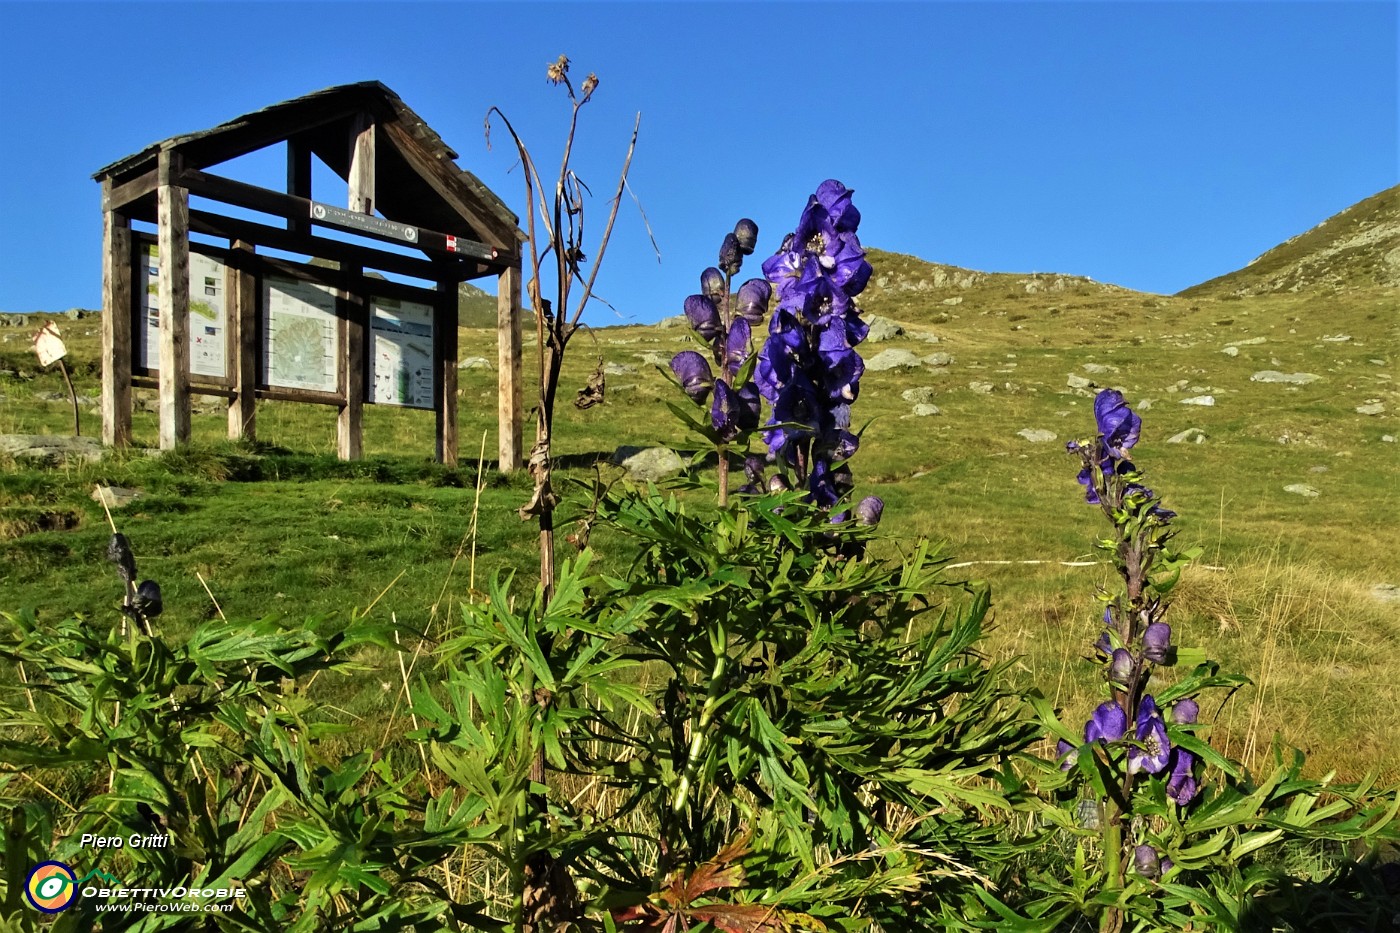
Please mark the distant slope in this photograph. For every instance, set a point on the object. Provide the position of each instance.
(1358, 248)
(475, 308)
(912, 289)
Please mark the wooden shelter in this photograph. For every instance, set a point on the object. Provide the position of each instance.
(276, 329)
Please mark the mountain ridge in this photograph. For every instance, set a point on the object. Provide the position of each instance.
(1357, 247)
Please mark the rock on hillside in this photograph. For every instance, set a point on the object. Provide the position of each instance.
(1358, 248)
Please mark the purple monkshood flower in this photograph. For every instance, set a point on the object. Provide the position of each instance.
(734, 412)
(736, 347)
(869, 510)
(694, 374)
(704, 317)
(836, 199)
(1152, 734)
(1181, 785)
(1156, 642)
(753, 298)
(1067, 753)
(1108, 723)
(1116, 422)
(753, 472)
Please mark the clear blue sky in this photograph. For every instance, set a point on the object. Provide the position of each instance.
(1153, 145)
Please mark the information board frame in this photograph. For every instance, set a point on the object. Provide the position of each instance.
(384, 290)
(141, 351)
(270, 267)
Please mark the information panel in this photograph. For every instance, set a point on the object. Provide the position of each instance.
(302, 336)
(207, 329)
(401, 359)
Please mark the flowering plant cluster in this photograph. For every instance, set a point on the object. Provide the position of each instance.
(724, 323)
(808, 369)
(1135, 735)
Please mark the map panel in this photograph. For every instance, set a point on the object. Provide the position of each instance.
(302, 342)
(401, 358)
(207, 328)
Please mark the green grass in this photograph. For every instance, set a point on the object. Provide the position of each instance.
(283, 527)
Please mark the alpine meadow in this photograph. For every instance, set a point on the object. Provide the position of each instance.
(887, 596)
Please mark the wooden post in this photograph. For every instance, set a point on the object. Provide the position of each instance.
(362, 165)
(298, 182)
(117, 315)
(242, 314)
(173, 237)
(509, 415)
(354, 311)
(445, 359)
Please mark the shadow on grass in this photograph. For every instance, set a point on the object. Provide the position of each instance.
(1361, 896)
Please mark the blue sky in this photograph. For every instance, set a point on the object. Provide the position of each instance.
(1153, 145)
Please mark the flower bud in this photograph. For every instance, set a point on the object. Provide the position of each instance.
(1156, 641)
(753, 298)
(1184, 713)
(869, 510)
(694, 374)
(777, 484)
(1147, 863)
(703, 316)
(712, 285)
(731, 257)
(1120, 671)
(746, 232)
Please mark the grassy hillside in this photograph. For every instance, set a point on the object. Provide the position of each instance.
(1357, 248)
(1290, 590)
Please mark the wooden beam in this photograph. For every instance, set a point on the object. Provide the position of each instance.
(173, 237)
(349, 427)
(196, 388)
(362, 164)
(242, 318)
(117, 316)
(260, 130)
(298, 183)
(115, 197)
(445, 359)
(441, 178)
(242, 194)
(276, 238)
(509, 415)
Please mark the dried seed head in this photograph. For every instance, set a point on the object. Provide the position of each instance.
(119, 553)
(148, 601)
(555, 71)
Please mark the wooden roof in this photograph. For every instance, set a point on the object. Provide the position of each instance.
(418, 181)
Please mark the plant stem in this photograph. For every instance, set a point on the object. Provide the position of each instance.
(723, 467)
(1112, 920)
(719, 641)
